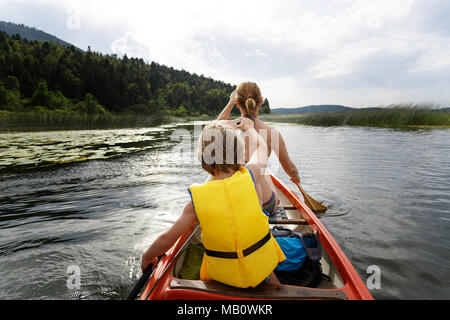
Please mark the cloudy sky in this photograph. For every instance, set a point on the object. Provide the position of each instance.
(301, 52)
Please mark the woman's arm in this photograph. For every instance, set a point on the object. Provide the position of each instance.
(280, 149)
(225, 114)
(166, 240)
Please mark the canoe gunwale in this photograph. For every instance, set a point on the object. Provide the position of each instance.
(353, 285)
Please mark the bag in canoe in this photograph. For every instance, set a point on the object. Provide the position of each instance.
(192, 263)
(303, 253)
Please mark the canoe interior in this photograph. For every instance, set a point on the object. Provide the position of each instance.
(328, 267)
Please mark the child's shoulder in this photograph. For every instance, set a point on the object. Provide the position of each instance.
(254, 170)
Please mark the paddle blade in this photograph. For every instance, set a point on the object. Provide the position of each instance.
(313, 204)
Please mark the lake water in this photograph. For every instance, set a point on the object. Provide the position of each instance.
(97, 199)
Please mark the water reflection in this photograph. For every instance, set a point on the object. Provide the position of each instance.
(96, 199)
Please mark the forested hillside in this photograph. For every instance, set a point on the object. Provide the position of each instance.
(45, 76)
(30, 33)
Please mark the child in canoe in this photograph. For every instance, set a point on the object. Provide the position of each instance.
(239, 248)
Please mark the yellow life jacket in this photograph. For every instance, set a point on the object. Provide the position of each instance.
(240, 250)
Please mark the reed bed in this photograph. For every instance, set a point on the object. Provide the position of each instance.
(48, 120)
(402, 116)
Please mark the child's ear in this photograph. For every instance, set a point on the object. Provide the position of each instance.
(213, 170)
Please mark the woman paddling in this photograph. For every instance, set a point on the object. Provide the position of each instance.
(249, 99)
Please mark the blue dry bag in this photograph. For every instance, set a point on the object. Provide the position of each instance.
(303, 254)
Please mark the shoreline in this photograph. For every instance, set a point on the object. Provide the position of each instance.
(400, 117)
(439, 120)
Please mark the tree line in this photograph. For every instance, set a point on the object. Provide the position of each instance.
(44, 76)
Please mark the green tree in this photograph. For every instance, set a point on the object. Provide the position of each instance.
(58, 101)
(265, 107)
(9, 99)
(118, 84)
(3, 97)
(159, 107)
(91, 106)
(215, 99)
(181, 112)
(41, 96)
(133, 94)
(12, 84)
(162, 106)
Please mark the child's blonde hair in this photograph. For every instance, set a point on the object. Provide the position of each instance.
(220, 148)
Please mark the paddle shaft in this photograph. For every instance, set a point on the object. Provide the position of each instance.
(141, 283)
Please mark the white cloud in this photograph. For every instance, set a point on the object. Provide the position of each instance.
(255, 53)
(217, 38)
(130, 45)
(436, 53)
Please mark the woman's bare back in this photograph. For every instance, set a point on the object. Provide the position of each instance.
(275, 143)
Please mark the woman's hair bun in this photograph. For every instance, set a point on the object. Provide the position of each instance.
(250, 98)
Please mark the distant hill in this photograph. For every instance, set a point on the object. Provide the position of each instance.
(31, 34)
(308, 109)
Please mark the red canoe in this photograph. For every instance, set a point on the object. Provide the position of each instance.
(345, 283)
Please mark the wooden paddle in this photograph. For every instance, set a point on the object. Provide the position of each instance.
(314, 205)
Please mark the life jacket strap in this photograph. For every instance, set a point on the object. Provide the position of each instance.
(234, 255)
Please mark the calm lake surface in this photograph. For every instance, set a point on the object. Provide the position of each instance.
(97, 199)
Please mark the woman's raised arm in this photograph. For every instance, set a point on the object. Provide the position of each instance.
(225, 114)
